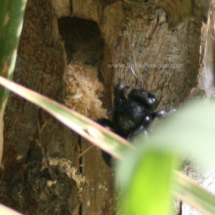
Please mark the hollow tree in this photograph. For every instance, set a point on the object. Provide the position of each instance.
(48, 169)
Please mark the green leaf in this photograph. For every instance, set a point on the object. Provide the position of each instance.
(3, 11)
(11, 20)
(146, 173)
(189, 191)
(190, 132)
(145, 176)
(87, 128)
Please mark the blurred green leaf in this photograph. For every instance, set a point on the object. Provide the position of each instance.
(190, 132)
(11, 20)
(87, 128)
(146, 173)
(145, 176)
(3, 10)
(189, 191)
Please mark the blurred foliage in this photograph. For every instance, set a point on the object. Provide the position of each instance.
(146, 171)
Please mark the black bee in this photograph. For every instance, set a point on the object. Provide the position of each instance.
(132, 113)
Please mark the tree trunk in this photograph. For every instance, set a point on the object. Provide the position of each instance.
(104, 37)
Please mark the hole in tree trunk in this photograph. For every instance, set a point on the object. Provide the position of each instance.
(83, 40)
(84, 44)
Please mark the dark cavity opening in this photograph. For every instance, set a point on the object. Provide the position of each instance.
(83, 40)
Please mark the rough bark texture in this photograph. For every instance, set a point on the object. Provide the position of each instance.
(179, 11)
(112, 36)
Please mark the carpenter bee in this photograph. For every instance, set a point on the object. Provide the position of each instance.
(132, 113)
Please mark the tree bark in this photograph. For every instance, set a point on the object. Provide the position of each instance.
(111, 37)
